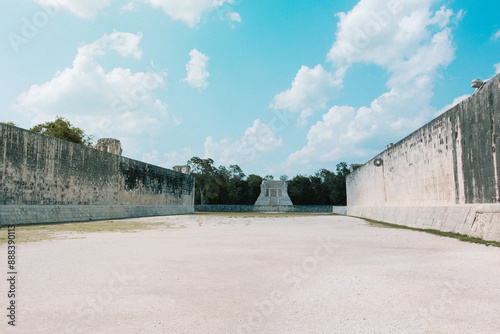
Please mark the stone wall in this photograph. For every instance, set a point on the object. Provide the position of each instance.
(43, 174)
(265, 208)
(340, 210)
(110, 145)
(450, 164)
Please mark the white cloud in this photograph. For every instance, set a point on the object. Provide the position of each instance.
(460, 15)
(168, 159)
(174, 158)
(496, 35)
(130, 7)
(497, 68)
(197, 70)
(442, 17)
(234, 16)
(126, 44)
(83, 8)
(151, 158)
(311, 90)
(117, 103)
(456, 101)
(258, 139)
(323, 138)
(381, 32)
(411, 43)
(189, 11)
(437, 52)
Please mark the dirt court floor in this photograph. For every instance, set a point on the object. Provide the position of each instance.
(247, 273)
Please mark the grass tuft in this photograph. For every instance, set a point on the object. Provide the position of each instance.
(39, 232)
(461, 237)
(260, 214)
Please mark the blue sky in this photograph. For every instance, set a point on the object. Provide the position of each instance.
(277, 87)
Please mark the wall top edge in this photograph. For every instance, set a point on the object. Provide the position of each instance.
(65, 142)
(494, 80)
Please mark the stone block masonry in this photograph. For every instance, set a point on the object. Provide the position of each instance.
(268, 208)
(273, 193)
(45, 179)
(444, 176)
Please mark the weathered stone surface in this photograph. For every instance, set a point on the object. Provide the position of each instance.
(29, 214)
(38, 170)
(109, 145)
(482, 221)
(270, 208)
(273, 193)
(340, 210)
(450, 162)
(182, 169)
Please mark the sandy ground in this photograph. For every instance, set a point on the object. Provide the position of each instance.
(211, 274)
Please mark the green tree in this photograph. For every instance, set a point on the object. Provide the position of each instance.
(203, 171)
(323, 188)
(300, 190)
(326, 183)
(230, 185)
(254, 182)
(339, 192)
(61, 128)
(284, 178)
(238, 186)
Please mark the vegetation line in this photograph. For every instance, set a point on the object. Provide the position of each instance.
(242, 214)
(72, 230)
(461, 237)
(229, 185)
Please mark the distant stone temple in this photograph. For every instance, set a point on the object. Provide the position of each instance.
(182, 169)
(109, 145)
(273, 193)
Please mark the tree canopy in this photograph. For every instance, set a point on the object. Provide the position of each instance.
(223, 185)
(203, 171)
(323, 188)
(230, 185)
(61, 128)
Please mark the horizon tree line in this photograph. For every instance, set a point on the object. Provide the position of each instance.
(230, 185)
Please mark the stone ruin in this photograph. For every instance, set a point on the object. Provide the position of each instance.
(109, 145)
(273, 193)
(182, 169)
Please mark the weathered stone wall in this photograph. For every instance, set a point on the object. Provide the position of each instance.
(30, 214)
(418, 170)
(38, 171)
(265, 208)
(450, 162)
(340, 210)
(110, 145)
(482, 221)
